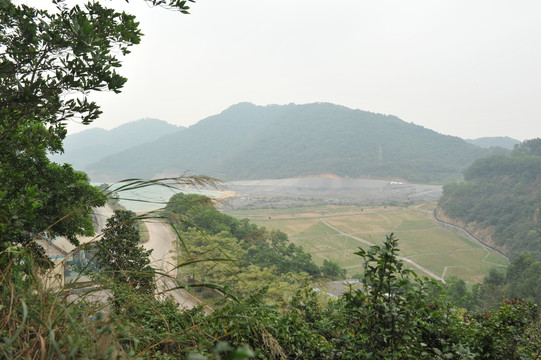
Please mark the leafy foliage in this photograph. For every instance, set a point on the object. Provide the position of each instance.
(396, 315)
(522, 279)
(220, 249)
(47, 55)
(502, 194)
(507, 332)
(528, 147)
(121, 257)
(49, 61)
(246, 242)
(39, 197)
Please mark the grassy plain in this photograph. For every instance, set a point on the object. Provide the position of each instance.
(336, 232)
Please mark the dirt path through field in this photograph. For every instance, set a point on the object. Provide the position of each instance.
(366, 242)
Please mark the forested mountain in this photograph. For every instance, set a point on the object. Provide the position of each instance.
(502, 141)
(91, 145)
(253, 142)
(501, 199)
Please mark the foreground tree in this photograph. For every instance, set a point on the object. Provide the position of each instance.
(397, 315)
(49, 64)
(120, 257)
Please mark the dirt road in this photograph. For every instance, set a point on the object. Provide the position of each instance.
(160, 241)
(100, 216)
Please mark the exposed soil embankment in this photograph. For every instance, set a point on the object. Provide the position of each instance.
(483, 234)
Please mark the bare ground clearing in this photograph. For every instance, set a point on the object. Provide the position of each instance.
(313, 191)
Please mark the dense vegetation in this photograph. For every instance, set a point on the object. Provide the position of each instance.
(522, 279)
(118, 249)
(257, 142)
(502, 194)
(47, 61)
(501, 197)
(47, 68)
(395, 315)
(258, 255)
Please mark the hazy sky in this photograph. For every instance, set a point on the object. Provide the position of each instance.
(460, 67)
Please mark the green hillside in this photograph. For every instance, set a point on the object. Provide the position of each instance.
(501, 198)
(254, 142)
(89, 146)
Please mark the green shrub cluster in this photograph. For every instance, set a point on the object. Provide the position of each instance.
(395, 315)
(206, 232)
(503, 194)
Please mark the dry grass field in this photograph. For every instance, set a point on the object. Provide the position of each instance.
(336, 232)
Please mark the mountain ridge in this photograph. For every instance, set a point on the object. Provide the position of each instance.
(502, 141)
(247, 141)
(91, 145)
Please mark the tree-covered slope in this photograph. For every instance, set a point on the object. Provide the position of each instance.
(501, 197)
(502, 141)
(89, 146)
(253, 142)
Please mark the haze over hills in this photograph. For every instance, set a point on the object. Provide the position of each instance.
(89, 146)
(247, 141)
(502, 141)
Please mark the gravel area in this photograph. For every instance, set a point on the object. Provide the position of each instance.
(310, 191)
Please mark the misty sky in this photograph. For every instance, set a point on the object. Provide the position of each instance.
(463, 68)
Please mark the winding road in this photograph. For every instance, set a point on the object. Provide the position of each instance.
(162, 243)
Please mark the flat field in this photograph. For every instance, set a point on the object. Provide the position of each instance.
(336, 232)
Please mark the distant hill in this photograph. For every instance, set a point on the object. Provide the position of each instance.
(255, 142)
(499, 141)
(91, 145)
